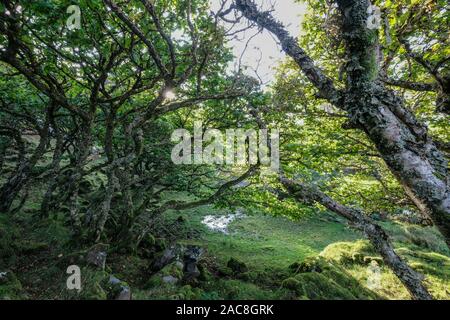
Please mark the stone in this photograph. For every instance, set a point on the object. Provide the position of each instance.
(125, 294)
(118, 289)
(3, 277)
(179, 265)
(174, 252)
(191, 259)
(170, 280)
(191, 271)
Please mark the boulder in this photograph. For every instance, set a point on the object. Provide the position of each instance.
(3, 277)
(97, 258)
(191, 259)
(170, 280)
(171, 274)
(174, 252)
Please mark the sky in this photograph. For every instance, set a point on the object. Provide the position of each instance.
(263, 53)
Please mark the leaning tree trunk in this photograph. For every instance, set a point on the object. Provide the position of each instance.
(401, 140)
(403, 143)
(411, 279)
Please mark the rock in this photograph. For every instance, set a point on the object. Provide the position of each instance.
(310, 264)
(167, 275)
(191, 271)
(174, 252)
(125, 294)
(191, 258)
(3, 277)
(118, 290)
(237, 266)
(97, 256)
(179, 265)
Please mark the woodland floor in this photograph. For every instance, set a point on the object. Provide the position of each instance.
(315, 258)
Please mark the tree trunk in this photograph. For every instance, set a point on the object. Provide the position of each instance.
(402, 141)
(15, 183)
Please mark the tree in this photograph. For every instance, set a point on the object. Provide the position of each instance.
(104, 99)
(402, 141)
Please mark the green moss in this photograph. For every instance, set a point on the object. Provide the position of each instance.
(318, 278)
(188, 293)
(175, 269)
(290, 283)
(310, 264)
(317, 286)
(237, 266)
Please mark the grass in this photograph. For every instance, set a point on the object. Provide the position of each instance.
(266, 241)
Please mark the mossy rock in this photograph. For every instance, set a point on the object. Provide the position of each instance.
(350, 252)
(174, 269)
(237, 266)
(205, 275)
(114, 287)
(369, 259)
